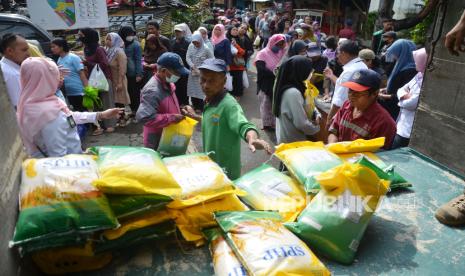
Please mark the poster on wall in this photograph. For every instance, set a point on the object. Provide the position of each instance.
(68, 14)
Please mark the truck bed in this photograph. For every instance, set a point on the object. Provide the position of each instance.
(403, 237)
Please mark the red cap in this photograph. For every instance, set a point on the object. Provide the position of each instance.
(355, 86)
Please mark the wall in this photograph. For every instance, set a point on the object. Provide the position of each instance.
(439, 128)
(12, 154)
(401, 7)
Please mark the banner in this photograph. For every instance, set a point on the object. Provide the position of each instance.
(68, 14)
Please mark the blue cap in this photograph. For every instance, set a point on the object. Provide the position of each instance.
(363, 80)
(313, 50)
(214, 64)
(174, 62)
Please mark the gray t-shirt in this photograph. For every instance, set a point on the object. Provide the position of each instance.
(293, 125)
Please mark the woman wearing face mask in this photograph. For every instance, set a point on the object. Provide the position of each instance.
(266, 62)
(292, 122)
(93, 55)
(238, 63)
(118, 66)
(196, 54)
(159, 105)
(134, 73)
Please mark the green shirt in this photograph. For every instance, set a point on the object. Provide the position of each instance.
(223, 126)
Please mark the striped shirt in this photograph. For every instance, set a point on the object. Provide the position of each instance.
(374, 122)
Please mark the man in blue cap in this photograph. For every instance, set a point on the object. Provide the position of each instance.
(159, 105)
(361, 116)
(223, 121)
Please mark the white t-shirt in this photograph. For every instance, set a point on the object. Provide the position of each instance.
(340, 92)
(12, 79)
(408, 106)
(58, 138)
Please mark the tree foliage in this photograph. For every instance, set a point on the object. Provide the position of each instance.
(193, 16)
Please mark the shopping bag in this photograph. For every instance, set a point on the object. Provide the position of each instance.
(257, 41)
(228, 86)
(245, 80)
(98, 80)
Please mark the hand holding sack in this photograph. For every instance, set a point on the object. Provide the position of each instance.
(176, 137)
(98, 80)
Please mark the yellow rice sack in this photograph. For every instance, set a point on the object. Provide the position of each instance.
(137, 223)
(200, 179)
(133, 171)
(334, 222)
(269, 189)
(311, 92)
(190, 221)
(70, 259)
(58, 202)
(225, 262)
(265, 247)
(359, 145)
(175, 137)
(354, 157)
(305, 160)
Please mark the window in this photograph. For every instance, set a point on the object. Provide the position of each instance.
(25, 30)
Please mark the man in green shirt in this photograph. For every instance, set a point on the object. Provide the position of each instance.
(223, 121)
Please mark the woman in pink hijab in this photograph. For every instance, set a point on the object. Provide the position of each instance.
(266, 61)
(47, 126)
(222, 45)
(408, 96)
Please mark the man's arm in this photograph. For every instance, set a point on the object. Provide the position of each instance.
(454, 38)
(333, 111)
(332, 138)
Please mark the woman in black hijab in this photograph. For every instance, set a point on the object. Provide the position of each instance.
(134, 72)
(293, 123)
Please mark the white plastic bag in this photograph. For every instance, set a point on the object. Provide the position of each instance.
(245, 80)
(98, 80)
(257, 41)
(229, 83)
(234, 50)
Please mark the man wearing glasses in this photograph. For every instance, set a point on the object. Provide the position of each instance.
(361, 117)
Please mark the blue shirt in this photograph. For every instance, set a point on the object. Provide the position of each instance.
(72, 82)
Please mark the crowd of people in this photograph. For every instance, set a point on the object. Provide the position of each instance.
(158, 81)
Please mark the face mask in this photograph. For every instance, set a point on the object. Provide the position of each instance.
(172, 79)
(130, 38)
(275, 49)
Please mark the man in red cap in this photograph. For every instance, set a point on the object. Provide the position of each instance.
(361, 117)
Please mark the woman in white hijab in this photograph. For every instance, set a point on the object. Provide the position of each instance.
(204, 32)
(196, 54)
(118, 65)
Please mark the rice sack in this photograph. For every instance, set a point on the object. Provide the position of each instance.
(335, 220)
(265, 247)
(58, 202)
(305, 160)
(269, 189)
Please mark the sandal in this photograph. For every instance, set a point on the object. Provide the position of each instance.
(97, 132)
